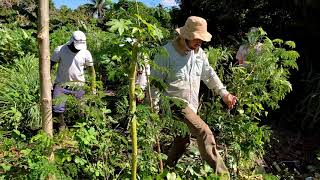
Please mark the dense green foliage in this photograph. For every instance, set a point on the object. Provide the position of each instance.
(15, 43)
(97, 144)
(259, 86)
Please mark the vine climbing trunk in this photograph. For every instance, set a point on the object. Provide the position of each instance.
(132, 104)
(45, 80)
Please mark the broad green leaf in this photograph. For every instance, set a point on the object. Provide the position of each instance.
(291, 44)
(119, 25)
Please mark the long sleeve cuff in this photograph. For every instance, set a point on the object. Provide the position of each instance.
(223, 92)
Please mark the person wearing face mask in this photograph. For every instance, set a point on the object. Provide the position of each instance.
(72, 58)
(187, 64)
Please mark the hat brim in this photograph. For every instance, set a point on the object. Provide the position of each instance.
(203, 35)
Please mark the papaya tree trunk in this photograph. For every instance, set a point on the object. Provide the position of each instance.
(44, 70)
(132, 104)
(45, 79)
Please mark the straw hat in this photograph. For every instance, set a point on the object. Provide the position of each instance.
(195, 28)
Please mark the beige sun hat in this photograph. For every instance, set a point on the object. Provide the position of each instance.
(195, 28)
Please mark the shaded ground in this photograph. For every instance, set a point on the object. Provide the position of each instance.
(293, 155)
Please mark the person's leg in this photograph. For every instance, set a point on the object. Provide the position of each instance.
(180, 143)
(178, 147)
(59, 107)
(206, 142)
(62, 123)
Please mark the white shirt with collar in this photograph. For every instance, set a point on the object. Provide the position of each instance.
(185, 73)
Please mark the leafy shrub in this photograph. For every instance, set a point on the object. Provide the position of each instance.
(259, 86)
(27, 158)
(93, 148)
(15, 43)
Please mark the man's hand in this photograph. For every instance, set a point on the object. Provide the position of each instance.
(230, 100)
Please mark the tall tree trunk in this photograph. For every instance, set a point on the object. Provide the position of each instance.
(44, 70)
(45, 80)
(132, 103)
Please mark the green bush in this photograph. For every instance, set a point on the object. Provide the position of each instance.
(95, 147)
(259, 86)
(16, 43)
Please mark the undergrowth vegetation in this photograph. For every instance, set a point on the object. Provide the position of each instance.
(97, 144)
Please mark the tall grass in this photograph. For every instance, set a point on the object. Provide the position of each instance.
(19, 94)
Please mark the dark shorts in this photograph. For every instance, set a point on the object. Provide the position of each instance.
(58, 91)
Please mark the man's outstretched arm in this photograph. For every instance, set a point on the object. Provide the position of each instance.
(211, 79)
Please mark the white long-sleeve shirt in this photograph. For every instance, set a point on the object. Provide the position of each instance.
(184, 75)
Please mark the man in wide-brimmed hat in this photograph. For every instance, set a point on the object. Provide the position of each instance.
(187, 65)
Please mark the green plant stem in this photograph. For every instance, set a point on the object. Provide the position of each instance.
(132, 106)
(152, 109)
(159, 151)
(93, 78)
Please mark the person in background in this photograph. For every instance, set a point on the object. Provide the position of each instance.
(188, 64)
(243, 50)
(142, 73)
(72, 58)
